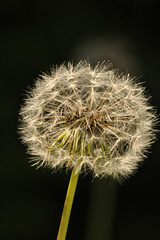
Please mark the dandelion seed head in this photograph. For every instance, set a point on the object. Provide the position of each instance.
(88, 118)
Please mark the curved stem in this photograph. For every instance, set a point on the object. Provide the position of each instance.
(68, 206)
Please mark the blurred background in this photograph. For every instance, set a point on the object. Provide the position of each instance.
(36, 35)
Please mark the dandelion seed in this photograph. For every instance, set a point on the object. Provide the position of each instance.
(88, 118)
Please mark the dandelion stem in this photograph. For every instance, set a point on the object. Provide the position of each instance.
(68, 206)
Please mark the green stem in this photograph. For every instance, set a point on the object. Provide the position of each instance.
(68, 206)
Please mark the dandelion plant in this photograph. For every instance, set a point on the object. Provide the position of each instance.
(87, 118)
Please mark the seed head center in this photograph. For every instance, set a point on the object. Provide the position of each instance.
(90, 120)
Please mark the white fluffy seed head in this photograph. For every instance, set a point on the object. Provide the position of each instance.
(87, 118)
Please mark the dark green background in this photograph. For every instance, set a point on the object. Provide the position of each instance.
(34, 36)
